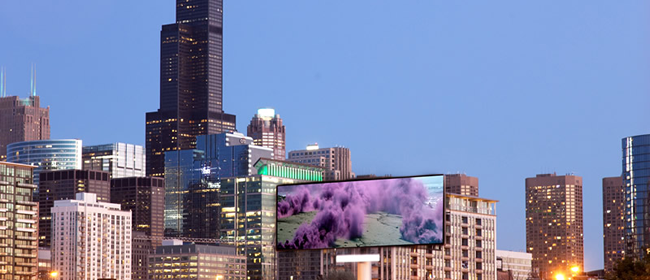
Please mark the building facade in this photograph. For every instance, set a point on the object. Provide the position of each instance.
(93, 239)
(336, 161)
(196, 262)
(145, 198)
(118, 159)
(192, 177)
(267, 130)
(191, 100)
(65, 184)
(22, 120)
(519, 264)
(461, 184)
(613, 221)
(554, 227)
(59, 154)
(636, 177)
(18, 223)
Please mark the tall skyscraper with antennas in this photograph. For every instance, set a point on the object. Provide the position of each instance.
(191, 100)
(21, 119)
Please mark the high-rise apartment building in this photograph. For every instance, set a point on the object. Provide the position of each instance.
(196, 261)
(192, 179)
(18, 223)
(54, 154)
(22, 120)
(119, 159)
(336, 161)
(636, 179)
(613, 221)
(65, 184)
(267, 130)
(554, 224)
(461, 184)
(191, 100)
(93, 239)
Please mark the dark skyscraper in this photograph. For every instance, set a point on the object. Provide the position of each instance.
(191, 55)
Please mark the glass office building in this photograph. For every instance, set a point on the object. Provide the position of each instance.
(636, 172)
(46, 155)
(191, 178)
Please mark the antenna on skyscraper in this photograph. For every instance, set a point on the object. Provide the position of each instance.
(2, 82)
(33, 93)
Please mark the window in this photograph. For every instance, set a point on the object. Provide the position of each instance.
(464, 220)
(478, 221)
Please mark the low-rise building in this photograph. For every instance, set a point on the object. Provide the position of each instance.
(196, 262)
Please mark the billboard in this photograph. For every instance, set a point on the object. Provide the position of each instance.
(361, 213)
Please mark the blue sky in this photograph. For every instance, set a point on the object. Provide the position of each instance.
(500, 90)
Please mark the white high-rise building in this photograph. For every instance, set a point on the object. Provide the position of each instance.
(337, 161)
(120, 159)
(90, 239)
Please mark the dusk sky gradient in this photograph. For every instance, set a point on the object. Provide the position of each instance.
(500, 90)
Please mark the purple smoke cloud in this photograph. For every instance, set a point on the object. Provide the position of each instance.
(343, 206)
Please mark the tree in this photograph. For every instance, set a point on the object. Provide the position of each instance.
(631, 269)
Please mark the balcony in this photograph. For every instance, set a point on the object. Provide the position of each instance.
(25, 273)
(27, 255)
(24, 246)
(25, 202)
(23, 237)
(26, 264)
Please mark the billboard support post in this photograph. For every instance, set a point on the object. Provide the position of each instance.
(364, 266)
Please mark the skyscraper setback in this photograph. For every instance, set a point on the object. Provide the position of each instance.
(191, 55)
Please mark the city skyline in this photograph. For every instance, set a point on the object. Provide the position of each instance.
(541, 94)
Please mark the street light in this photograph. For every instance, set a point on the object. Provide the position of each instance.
(575, 269)
(559, 276)
(54, 274)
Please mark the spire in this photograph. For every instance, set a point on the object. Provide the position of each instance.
(2, 82)
(33, 92)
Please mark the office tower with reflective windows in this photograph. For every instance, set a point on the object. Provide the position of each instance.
(191, 99)
(65, 184)
(119, 159)
(554, 227)
(636, 179)
(18, 223)
(461, 184)
(192, 178)
(337, 161)
(53, 154)
(613, 221)
(93, 239)
(267, 130)
(22, 120)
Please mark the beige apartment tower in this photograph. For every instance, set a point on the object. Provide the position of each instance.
(337, 161)
(554, 224)
(461, 184)
(18, 223)
(613, 221)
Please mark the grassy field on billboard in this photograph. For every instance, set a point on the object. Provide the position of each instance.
(361, 213)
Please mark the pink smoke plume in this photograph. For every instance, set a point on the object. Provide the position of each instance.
(343, 206)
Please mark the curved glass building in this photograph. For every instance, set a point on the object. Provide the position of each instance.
(46, 154)
(636, 179)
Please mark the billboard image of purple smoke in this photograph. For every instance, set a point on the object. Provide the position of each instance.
(366, 213)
